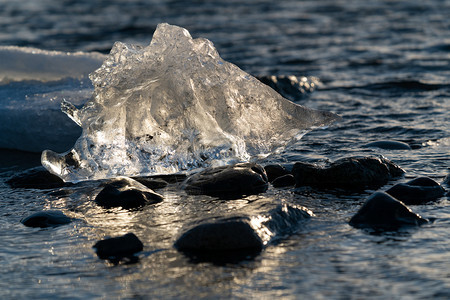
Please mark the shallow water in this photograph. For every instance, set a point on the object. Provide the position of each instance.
(383, 66)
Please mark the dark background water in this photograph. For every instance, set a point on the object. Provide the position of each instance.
(382, 65)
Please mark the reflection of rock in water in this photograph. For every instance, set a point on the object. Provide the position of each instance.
(175, 105)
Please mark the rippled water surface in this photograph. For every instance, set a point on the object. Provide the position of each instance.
(384, 66)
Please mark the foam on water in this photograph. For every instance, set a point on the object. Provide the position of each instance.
(175, 105)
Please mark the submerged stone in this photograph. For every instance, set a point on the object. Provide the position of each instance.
(284, 181)
(274, 171)
(383, 212)
(347, 173)
(48, 218)
(35, 178)
(118, 247)
(389, 145)
(417, 191)
(126, 193)
(237, 180)
(173, 106)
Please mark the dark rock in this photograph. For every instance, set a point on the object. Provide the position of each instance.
(383, 212)
(126, 193)
(49, 218)
(223, 235)
(238, 237)
(389, 145)
(348, 173)
(151, 183)
(283, 181)
(237, 180)
(118, 247)
(35, 178)
(417, 191)
(274, 171)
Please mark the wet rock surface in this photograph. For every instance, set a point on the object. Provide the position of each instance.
(417, 191)
(126, 193)
(389, 145)
(274, 171)
(118, 248)
(240, 236)
(35, 178)
(383, 212)
(284, 181)
(237, 180)
(49, 218)
(348, 173)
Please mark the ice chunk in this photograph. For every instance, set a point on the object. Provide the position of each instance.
(175, 105)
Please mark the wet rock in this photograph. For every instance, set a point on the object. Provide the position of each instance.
(274, 171)
(120, 247)
(284, 181)
(383, 212)
(48, 218)
(237, 180)
(231, 234)
(389, 145)
(151, 183)
(417, 191)
(126, 193)
(348, 173)
(35, 178)
(238, 237)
